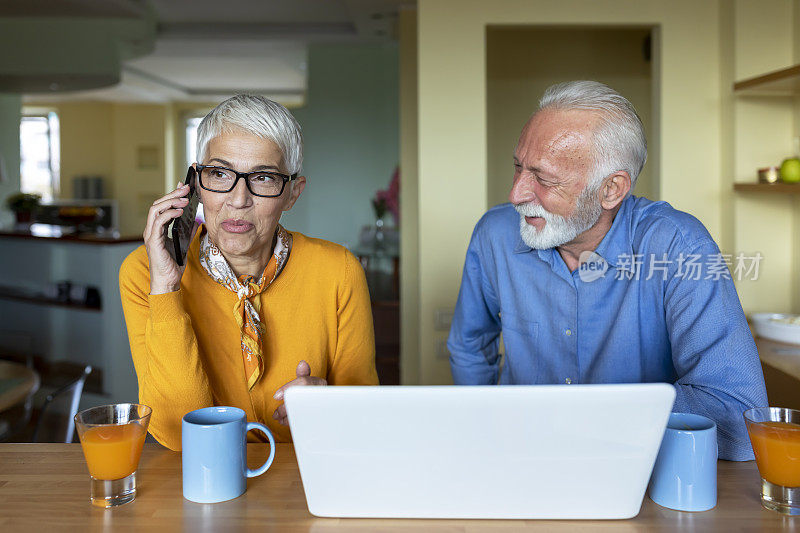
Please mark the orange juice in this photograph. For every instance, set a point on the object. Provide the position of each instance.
(112, 452)
(777, 449)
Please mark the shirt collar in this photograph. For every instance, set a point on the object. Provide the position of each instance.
(615, 243)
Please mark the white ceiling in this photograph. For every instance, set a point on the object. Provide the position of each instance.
(209, 49)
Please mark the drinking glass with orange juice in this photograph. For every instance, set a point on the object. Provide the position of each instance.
(112, 437)
(775, 436)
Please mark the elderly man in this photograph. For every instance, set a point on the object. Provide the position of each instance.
(589, 284)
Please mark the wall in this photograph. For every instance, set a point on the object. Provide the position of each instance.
(87, 142)
(9, 152)
(763, 130)
(796, 136)
(138, 126)
(350, 130)
(409, 207)
(350, 127)
(453, 124)
(103, 138)
(521, 62)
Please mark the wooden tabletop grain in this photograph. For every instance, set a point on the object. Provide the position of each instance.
(45, 487)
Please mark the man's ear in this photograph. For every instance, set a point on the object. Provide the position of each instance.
(615, 188)
(296, 191)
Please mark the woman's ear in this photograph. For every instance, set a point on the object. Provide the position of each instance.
(295, 192)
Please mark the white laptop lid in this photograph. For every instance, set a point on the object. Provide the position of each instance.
(546, 451)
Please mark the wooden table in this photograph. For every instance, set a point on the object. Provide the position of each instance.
(781, 365)
(45, 487)
(17, 383)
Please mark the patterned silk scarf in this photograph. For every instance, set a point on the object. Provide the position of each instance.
(247, 288)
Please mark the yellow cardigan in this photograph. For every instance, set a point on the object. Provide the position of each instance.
(186, 344)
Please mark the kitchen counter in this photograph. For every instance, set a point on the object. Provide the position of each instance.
(67, 234)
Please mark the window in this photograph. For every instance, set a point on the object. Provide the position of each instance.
(192, 123)
(40, 154)
(191, 139)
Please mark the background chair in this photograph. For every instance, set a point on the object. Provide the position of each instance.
(17, 346)
(56, 420)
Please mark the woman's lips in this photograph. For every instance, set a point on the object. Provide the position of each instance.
(236, 226)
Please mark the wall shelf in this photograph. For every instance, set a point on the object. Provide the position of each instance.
(784, 82)
(11, 293)
(772, 188)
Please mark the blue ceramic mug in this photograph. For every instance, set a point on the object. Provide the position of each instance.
(685, 474)
(214, 442)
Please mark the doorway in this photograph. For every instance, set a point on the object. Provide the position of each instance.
(522, 61)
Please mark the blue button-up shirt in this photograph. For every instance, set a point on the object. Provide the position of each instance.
(654, 303)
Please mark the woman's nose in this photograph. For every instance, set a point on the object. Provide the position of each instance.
(240, 196)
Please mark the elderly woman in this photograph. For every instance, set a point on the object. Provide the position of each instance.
(257, 308)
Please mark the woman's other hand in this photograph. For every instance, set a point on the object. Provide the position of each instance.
(165, 274)
(304, 377)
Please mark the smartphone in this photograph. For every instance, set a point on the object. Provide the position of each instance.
(181, 227)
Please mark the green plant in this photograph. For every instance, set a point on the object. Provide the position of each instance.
(22, 202)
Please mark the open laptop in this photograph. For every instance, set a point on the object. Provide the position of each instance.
(545, 451)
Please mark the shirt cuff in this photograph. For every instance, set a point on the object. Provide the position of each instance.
(166, 307)
(475, 375)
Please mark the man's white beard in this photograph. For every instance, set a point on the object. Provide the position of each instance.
(559, 230)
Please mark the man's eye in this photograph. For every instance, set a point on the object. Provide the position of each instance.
(218, 174)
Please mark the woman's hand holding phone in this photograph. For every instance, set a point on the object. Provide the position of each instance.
(165, 274)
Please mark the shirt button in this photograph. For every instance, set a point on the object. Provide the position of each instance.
(568, 332)
(568, 381)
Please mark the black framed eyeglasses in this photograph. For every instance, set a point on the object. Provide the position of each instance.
(259, 183)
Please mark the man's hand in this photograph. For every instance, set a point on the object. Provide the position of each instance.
(304, 377)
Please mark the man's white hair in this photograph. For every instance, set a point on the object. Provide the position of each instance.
(619, 140)
(259, 116)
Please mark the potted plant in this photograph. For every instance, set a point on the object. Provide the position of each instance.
(23, 205)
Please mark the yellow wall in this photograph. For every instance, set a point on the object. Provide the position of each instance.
(409, 206)
(453, 124)
(703, 137)
(101, 138)
(763, 129)
(137, 127)
(796, 138)
(86, 142)
(521, 62)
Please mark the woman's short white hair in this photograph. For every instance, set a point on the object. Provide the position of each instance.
(259, 116)
(619, 140)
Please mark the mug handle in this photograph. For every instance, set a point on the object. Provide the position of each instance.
(263, 468)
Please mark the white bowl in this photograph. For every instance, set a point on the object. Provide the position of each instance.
(766, 327)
